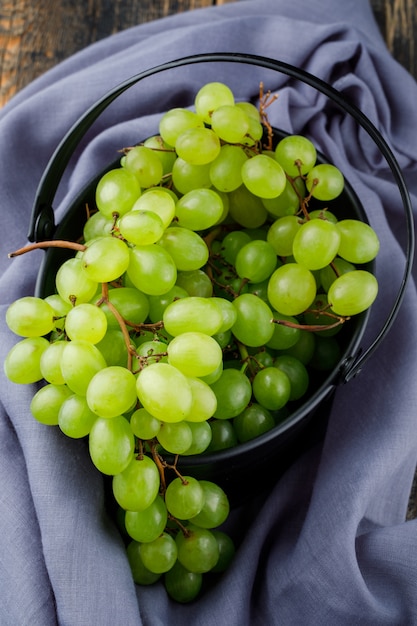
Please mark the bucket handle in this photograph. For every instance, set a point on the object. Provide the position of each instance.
(42, 223)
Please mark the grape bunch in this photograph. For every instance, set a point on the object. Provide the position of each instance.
(211, 283)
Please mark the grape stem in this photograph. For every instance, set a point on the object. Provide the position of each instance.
(105, 299)
(54, 243)
(265, 100)
(314, 327)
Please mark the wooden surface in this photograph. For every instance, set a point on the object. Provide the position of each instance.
(36, 34)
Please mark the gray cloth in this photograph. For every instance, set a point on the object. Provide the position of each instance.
(329, 545)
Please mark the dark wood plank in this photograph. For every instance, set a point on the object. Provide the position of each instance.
(398, 22)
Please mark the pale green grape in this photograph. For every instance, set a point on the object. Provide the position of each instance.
(359, 243)
(195, 283)
(144, 425)
(325, 181)
(113, 347)
(288, 202)
(187, 176)
(98, 225)
(228, 311)
(281, 234)
(116, 192)
(329, 273)
(141, 575)
(316, 244)
(201, 437)
(246, 209)
(233, 392)
(111, 444)
(198, 550)
(152, 269)
(176, 121)
(141, 227)
(86, 322)
(253, 422)
(263, 176)
(188, 250)
(184, 497)
(60, 308)
(159, 555)
(176, 437)
(296, 154)
(250, 109)
(158, 304)
(105, 259)
(271, 388)
(199, 209)
(216, 506)
(131, 304)
(210, 97)
(226, 169)
(153, 351)
(145, 165)
(22, 363)
(47, 401)
(80, 361)
(147, 525)
(194, 314)
(204, 401)
(256, 261)
(138, 485)
(230, 123)
(164, 391)
(352, 292)
(291, 289)
(253, 326)
(111, 391)
(50, 363)
(72, 282)
(181, 585)
(232, 243)
(75, 419)
(30, 316)
(194, 353)
(198, 146)
(159, 201)
(164, 152)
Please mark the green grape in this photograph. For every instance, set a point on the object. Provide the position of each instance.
(255, 132)
(188, 176)
(325, 182)
(72, 282)
(184, 497)
(254, 326)
(228, 312)
(164, 392)
(353, 292)
(47, 401)
(303, 349)
(131, 304)
(30, 316)
(138, 485)
(233, 392)
(263, 176)
(246, 209)
(329, 273)
(316, 244)
(152, 269)
(296, 154)
(204, 401)
(216, 506)
(176, 438)
(199, 209)
(112, 391)
(232, 243)
(50, 363)
(359, 243)
(284, 336)
(193, 314)
(181, 585)
(75, 419)
(157, 200)
(210, 97)
(195, 283)
(197, 146)
(144, 425)
(223, 435)
(141, 575)
(256, 261)
(60, 309)
(201, 437)
(22, 362)
(225, 172)
(158, 304)
(116, 192)
(250, 109)
(141, 227)
(98, 225)
(147, 525)
(227, 551)
(281, 234)
(194, 353)
(224, 339)
(105, 259)
(80, 361)
(164, 152)
(188, 250)
(271, 388)
(145, 165)
(288, 202)
(297, 374)
(111, 444)
(154, 351)
(291, 289)
(230, 123)
(176, 121)
(253, 422)
(263, 358)
(159, 555)
(198, 550)
(113, 347)
(86, 322)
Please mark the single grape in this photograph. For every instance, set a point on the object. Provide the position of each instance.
(353, 292)
(144, 425)
(232, 243)
(194, 314)
(145, 165)
(263, 176)
(216, 506)
(159, 555)
(112, 391)
(184, 497)
(164, 391)
(152, 269)
(199, 209)
(188, 176)
(288, 202)
(72, 282)
(22, 363)
(253, 422)
(201, 437)
(195, 283)
(284, 336)
(359, 242)
(141, 227)
(111, 444)
(47, 401)
(116, 192)
(210, 97)
(98, 225)
(30, 316)
(297, 374)
(50, 363)
(227, 551)
(230, 123)
(198, 550)
(147, 525)
(204, 401)
(253, 326)
(233, 392)
(75, 419)
(181, 585)
(175, 437)
(194, 353)
(113, 347)
(80, 361)
(130, 303)
(291, 289)
(138, 485)
(86, 322)
(223, 435)
(141, 575)
(271, 388)
(256, 261)
(281, 234)
(296, 154)
(198, 146)
(225, 172)
(325, 181)
(105, 259)
(316, 244)
(228, 312)
(188, 250)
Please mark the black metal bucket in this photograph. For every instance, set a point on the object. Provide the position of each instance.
(236, 469)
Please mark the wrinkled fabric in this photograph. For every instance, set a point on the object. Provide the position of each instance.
(329, 543)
